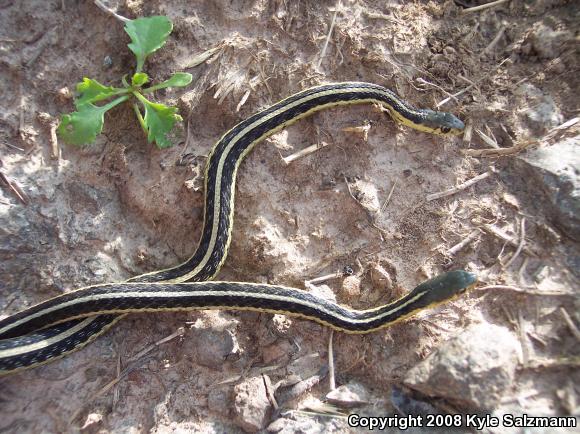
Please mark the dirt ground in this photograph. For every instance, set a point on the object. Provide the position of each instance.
(71, 216)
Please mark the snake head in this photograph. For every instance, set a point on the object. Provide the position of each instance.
(445, 287)
(443, 123)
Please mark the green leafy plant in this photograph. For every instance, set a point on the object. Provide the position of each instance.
(157, 120)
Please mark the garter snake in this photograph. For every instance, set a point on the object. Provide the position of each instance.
(66, 323)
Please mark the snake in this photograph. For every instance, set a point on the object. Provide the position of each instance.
(58, 326)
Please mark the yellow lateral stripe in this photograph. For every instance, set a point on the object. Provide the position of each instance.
(46, 342)
(317, 306)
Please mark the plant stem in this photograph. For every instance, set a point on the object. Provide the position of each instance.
(152, 89)
(115, 102)
(141, 98)
(140, 118)
(115, 93)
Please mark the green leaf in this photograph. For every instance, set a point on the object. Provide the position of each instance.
(139, 79)
(82, 126)
(159, 120)
(91, 91)
(179, 79)
(147, 36)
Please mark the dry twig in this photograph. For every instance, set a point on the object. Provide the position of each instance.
(109, 11)
(484, 6)
(505, 237)
(520, 244)
(493, 42)
(530, 291)
(468, 132)
(14, 188)
(570, 323)
(563, 362)
(460, 187)
(306, 151)
(468, 239)
(331, 380)
(363, 129)
(203, 56)
(491, 142)
(179, 332)
(388, 199)
(423, 81)
(323, 52)
(270, 391)
(512, 150)
(321, 279)
(523, 340)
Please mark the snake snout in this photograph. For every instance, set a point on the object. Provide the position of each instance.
(444, 123)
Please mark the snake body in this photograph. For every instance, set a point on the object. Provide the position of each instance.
(66, 323)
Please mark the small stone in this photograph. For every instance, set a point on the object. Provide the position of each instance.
(349, 395)
(555, 170)
(281, 324)
(350, 288)
(212, 346)
(92, 423)
(251, 404)
(474, 369)
(107, 62)
(64, 94)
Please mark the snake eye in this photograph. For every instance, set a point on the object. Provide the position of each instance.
(445, 129)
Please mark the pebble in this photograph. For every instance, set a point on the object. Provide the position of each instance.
(555, 170)
(350, 288)
(281, 324)
(212, 347)
(92, 423)
(251, 404)
(64, 94)
(473, 370)
(349, 395)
